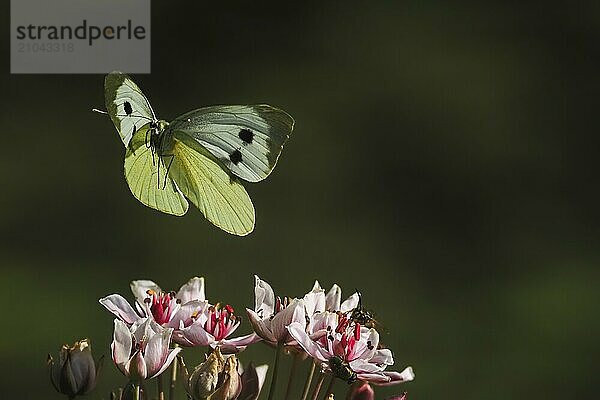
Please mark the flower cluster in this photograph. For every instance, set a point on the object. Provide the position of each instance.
(335, 334)
(151, 334)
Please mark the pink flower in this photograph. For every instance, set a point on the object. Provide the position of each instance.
(166, 308)
(271, 316)
(142, 350)
(347, 350)
(194, 320)
(212, 327)
(316, 302)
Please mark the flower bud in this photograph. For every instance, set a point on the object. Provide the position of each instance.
(361, 391)
(232, 382)
(214, 379)
(75, 372)
(253, 379)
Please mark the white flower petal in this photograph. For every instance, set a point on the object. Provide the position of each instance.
(120, 307)
(140, 289)
(382, 356)
(296, 330)
(136, 367)
(172, 354)
(192, 290)
(376, 378)
(395, 378)
(261, 372)
(333, 298)
(314, 301)
(185, 312)
(292, 313)
(262, 328)
(350, 303)
(264, 298)
(195, 335)
(156, 350)
(122, 343)
(235, 345)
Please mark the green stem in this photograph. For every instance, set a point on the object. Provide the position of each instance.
(173, 379)
(329, 387)
(136, 391)
(309, 379)
(275, 370)
(295, 363)
(317, 388)
(159, 386)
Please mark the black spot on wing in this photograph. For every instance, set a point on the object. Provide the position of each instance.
(235, 157)
(246, 135)
(128, 109)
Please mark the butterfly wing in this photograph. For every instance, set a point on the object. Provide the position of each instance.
(205, 182)
(146, 175)
(127, 106)
(246, 139)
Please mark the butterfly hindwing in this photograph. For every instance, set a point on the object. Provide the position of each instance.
(204, 181)
(127, 106)
(146, 176)
(246, 139)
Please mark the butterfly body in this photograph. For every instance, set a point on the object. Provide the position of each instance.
(197, 156)
(156, 137)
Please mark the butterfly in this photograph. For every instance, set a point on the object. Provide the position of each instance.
(200, 156)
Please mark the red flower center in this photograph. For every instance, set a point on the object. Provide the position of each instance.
(350, 334)
(161, 305)
(220, 321)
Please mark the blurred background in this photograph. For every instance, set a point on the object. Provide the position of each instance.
(444, 162)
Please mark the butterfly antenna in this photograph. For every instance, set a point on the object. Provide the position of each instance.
(99, 111)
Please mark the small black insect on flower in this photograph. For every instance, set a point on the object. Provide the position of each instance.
(361, 315)
(341, 369)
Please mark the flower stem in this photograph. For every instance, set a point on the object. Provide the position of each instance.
(317, 388)
(159, 386)
(173, 380)
(309, 379)
(275, 370)
(329, 387)
(136, 391)
(295, 363)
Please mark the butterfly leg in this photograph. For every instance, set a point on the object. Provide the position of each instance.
(148, 134)
(171, 158)
(157, 170)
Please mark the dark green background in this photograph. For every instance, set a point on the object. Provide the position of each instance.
(444, 162)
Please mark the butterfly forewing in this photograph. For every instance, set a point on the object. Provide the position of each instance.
(146, 176)
(204, 181)
(127, 106)
(246, 139)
